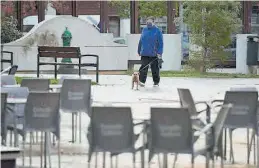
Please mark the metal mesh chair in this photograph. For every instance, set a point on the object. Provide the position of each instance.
(242, 115)
(171, 132)
(15, 112)
(187, 101)
(36, 85)
(76, 98)
(42, 114)
(111, 131)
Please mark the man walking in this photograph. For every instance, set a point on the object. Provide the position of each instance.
(150, 49)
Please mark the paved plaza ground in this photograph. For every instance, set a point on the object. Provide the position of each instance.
(116, 90)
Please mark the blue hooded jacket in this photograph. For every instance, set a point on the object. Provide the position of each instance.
(151, 42)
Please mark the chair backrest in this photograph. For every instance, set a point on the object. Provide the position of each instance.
(16, 92)
(244, 111)
(8, 80)
(219, 124)
(243, 89)
(171, 131)
(112, 129)
(186, 100)
(42, 112)
(75, 95)
(13, 70)
(36, 84)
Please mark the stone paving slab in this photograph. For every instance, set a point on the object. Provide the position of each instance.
(115, 90)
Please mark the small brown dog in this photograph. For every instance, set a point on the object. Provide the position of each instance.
(135, 79)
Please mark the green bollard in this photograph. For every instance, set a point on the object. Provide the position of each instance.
(66, 38)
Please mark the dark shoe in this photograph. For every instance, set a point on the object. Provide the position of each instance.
(156, 84)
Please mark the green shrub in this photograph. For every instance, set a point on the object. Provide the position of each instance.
(9, 31)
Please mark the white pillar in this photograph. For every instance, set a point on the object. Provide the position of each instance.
(241, 53)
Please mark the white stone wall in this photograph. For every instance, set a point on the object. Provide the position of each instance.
(112, 56)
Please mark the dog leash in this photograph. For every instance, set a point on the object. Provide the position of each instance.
(148, 64)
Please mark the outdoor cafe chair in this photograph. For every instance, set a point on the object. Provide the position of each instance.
(75, 98)
(171, 132)
(111, 130)
(36, 84)
(3, 118)
(8, 80)
(187, 101)
(242, 115)
(42, 114)
(14, 117)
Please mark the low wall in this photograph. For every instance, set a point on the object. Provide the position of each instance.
(113, 56)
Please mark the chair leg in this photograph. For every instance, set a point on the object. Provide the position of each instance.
(59, 153)
(134, 160)
(225, 144)
(76, 126)
(257, 138)
(231, 146)
(30, 151)
(117, 161)
(159, 161)
(80, 127)
(45, 149)
(23, 153)
(48, 148)
(111, 163)
(73, 140)
(247, 146)
(255, 147)
(41, 149)
(37, 137)
(165, 160)
(175, 159)
(96, 159)
(53, 139)
(207, 162)
(11, 137)
(192, 161)
(104, 159)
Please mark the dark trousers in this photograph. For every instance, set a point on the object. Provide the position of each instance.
(154, 69)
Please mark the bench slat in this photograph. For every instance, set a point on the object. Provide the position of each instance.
(59, 54)
(60, 49)
(82, 64)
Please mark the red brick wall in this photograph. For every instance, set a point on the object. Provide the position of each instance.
(62, 7)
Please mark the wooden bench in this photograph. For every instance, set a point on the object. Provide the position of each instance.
(65, 52)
